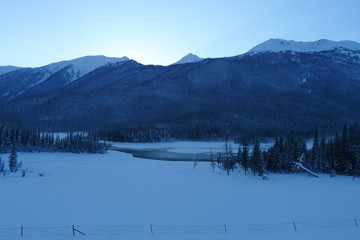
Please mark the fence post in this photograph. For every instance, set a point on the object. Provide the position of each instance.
(151, 229)
(225, 228)
(73, 230)
(355, 221)
(294, 226)
(22, 231)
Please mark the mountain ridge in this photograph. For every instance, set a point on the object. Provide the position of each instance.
(271, 45)
(17, 82)
(268, 90)
(7, 69)
(281, 45)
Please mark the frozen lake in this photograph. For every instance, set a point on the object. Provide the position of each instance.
(184, 150)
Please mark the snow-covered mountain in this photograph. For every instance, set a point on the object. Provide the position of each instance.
(300, 86)
(281, 45)
(6, 69)
(52, 76)
(190, 58)
(78, 67)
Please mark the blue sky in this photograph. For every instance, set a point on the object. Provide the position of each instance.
(38, 32)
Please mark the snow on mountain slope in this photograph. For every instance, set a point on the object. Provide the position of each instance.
(15, 83)
(6, 69)
(281, 45)
(190, 58)
(78, 67)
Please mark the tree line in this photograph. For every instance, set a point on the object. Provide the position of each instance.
(19, 137)
(136, 134)
(337, 155)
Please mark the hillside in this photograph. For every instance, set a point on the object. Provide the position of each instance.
(263, 91)
(32, 81)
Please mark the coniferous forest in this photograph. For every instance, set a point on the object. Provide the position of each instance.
(17, 136)
(337, 155)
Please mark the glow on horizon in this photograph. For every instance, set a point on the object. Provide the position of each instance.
(39, 32)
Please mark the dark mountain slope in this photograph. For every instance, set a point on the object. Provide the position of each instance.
(263, 92)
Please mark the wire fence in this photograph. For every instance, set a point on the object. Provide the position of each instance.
(110, 230)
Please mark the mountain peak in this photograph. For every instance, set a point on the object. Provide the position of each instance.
(281, 45)
(90, 61)
(7, 69)
(189, 58)
(83, 65)
(54, 75)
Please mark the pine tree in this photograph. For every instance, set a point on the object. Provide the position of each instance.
(325, 165)
(13, 165)
(315, 153)
(330, 157)
(245, 158)
(273, 157)
(238, 155)
(341, 152)
(345, 163)
(283, 156)
(2, 166)
(354, 148)
(256, 161)
(212, 161)
(228, 161)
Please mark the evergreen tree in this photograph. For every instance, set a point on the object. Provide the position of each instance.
(245, 158)
(354, 148)
(273, 157)
(325, 164)
(330, 149)
(284, 156)
(2, 166)
(341, 152)
(212, 161)
(238, 155)
(256, 160)
(345, 163)
(13, 164)
(315, 153)
(228, 161)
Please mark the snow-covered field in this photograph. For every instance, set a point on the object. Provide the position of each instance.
(116, 196)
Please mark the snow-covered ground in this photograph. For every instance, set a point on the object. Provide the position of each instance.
(116, 196)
